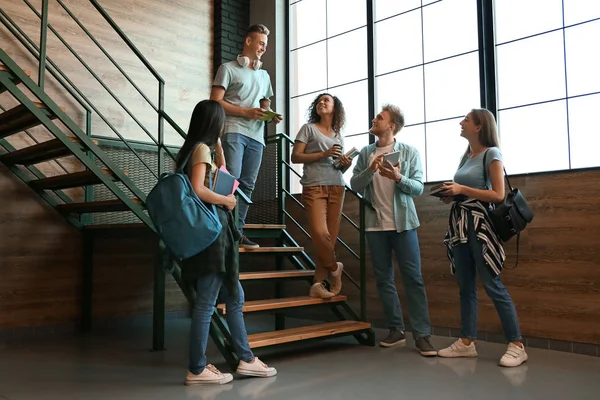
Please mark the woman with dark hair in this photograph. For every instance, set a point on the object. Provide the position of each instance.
(318, 143)
(473, 247)
(215, 270)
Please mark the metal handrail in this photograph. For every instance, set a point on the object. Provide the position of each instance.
(33, 49)
(129, 43)
(87, 67)
(83, 28)
(83, 100)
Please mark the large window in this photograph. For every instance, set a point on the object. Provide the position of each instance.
(548, 83)
(427, 60)
(328, 53)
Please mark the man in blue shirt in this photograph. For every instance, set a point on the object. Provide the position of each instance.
(391, 226)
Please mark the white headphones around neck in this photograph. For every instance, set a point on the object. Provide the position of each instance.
(245, 61)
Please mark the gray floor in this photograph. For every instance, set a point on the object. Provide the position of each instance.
(118, 365)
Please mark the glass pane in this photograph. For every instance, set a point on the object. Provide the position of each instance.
(405, 89)
(355, 99)
(306, 74)
(581, 10)
(388, 55)
(347, 57)
(415, 136)
(339, 20)
(583, 58)
(527, 128)
(387, 8)
(307, 22)
(584, 131)
(516, 19)
(445, 147)
(531, 70)
(442, 36)
(358, 141)
(452, 87)
(298, 108)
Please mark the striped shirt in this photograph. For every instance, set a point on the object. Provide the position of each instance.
(458, 223)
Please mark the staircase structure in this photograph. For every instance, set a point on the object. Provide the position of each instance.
(110, 198)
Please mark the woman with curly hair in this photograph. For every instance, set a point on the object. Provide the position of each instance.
(318, 143)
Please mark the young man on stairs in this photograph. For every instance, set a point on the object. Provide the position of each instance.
(242, 87)
(391, 226)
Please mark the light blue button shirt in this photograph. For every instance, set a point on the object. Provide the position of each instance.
(411, 185)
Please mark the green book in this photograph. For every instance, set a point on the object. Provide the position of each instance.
(269, 115)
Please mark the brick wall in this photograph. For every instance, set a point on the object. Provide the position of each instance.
(231, 21)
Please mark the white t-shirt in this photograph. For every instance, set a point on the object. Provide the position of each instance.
(383, 195)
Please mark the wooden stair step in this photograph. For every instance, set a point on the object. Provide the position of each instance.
(264, 231)
(45, 151)
(19, 118)
(286, 302)
(292, 274)
(94, 206)
(13, 77)
(75, 179)
(264, 226)
(306, 332)
(273, 250)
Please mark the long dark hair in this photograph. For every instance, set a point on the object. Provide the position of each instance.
(206, 126)
(339, 114)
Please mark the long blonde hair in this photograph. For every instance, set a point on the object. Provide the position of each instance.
(488, 134)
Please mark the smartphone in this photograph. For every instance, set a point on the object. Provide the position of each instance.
(393, 158)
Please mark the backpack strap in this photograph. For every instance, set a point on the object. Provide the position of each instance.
(485, 172)
(511, 188)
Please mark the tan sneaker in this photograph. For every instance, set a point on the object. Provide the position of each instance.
(255, 368)
(336, 279)
(458, 349)
(319, 290)
(514, 356)
(210, 376)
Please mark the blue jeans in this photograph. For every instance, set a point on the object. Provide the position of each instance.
(406, 247)
(207, 293)
(243, 157)
(468, 262)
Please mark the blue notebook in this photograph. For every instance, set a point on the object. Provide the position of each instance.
(225, 184)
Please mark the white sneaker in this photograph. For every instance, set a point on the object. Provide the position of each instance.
(319, 290)
(210, 376)
(458, 349)
(514, 356)
(255, 368)
(336, 279)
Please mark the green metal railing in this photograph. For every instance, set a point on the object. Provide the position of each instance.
(284, 143)
(94, 155)
(46, 64)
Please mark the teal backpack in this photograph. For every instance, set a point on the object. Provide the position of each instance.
(184, 223)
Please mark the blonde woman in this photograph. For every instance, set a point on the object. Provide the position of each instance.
(473, 246)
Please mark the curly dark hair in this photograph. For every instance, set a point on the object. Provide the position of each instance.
(339, 115)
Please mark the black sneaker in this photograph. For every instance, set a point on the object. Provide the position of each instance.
(247, 243)
(424, 346)
(393, 338)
